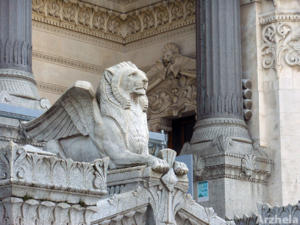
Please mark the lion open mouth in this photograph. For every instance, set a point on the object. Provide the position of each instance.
(140, 90)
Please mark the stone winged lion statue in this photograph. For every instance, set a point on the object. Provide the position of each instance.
(112, 122)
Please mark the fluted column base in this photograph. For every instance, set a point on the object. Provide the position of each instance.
(217, 135)
(18, 83)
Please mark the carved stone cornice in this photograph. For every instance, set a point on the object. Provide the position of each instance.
(51, 88)
(279, 17)
(67, 62)
(110, 25)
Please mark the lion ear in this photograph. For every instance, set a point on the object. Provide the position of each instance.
(108, 76)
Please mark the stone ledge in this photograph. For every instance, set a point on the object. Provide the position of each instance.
(248, 167)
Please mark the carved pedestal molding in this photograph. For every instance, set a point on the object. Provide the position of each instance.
(28, 172)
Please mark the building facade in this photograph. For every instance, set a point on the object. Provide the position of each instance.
(224, 78)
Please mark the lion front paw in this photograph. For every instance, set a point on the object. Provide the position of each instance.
(159, 165)
(180, 168)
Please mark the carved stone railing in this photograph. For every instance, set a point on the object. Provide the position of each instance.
(146, 197)
(36, 187)
(23, 211)
(268, 215)
(27, 172)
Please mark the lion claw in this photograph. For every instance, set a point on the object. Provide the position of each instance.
(159, 165)
(180, 168)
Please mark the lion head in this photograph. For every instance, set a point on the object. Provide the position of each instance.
(123, 83)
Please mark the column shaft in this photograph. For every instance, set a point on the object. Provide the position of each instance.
(16, 49)
(220, 91)
(219, 100)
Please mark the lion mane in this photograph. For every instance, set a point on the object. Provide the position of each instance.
(113, 103)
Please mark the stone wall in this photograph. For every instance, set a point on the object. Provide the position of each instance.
(270, 34)
(66, 50)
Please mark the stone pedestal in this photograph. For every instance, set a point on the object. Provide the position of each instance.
(224, 157)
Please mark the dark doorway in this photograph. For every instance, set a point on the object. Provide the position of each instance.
(182, 131)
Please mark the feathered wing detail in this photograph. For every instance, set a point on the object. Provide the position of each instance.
(74, 113)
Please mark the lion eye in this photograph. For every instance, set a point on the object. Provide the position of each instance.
(132, 74)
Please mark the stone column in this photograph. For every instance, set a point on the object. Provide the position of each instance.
(226, 167)
(16, 49)
(19, 98)
(220, 99)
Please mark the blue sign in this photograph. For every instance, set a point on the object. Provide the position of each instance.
(203, 191)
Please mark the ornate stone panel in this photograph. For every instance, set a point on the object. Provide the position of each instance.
(47, 177)
(280, 35)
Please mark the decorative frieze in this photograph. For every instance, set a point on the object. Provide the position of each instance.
(118, 27)
(280, 17)
(251, 168)
(76, 64)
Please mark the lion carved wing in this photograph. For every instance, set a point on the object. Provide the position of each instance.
(74, 113)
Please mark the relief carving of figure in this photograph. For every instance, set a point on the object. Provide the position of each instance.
(173, 64)
(112, 122)
(172, 84)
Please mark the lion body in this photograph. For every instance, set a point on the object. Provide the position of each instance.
(123, 119)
